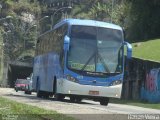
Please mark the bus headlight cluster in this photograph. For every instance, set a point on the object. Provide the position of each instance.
(117, 82)
(70, 78)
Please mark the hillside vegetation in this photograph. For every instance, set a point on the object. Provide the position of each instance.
(139, 18)
(149, 50)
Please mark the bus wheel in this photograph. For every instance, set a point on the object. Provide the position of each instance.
(78, 100)
(50, 95)
(72, 99)
(46, 95)
(28, 92)
(104, 101)
(39, 93)
(59, 97)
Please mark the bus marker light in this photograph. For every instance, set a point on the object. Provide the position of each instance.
(69, 92)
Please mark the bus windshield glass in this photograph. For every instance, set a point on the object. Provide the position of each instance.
(95, 49)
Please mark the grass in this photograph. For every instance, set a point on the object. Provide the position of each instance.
(9, 108)
(136, 103)
(149, 50)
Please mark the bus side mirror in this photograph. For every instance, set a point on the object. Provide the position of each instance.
(129, 50)
(66, 43)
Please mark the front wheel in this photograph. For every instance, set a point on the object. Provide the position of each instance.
(78, 100)
(104, 101)
(16, 90)
(72, 99)
(59, 97)
(75, 99)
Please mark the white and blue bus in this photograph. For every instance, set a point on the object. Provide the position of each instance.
(80, 59)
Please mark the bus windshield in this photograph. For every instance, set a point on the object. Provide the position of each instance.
(95, 49)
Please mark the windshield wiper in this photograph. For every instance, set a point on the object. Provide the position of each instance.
(102, 60)
(88, 61)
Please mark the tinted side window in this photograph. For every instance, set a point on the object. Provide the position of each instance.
(52, 41)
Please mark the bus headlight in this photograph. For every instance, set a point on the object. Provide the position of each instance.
(117, 82)
(70, 78)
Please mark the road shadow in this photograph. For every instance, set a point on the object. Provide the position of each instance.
(34, 97)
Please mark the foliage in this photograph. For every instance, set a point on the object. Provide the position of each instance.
(1, 38)
(100, 11)
(27, 112)
(120, 14)
(139, 18)
(144, 16)
(25, 6)
(147, 50)
(19, 6)
(93, 9)
(21, 37)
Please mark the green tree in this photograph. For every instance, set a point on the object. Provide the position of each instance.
(25, 13)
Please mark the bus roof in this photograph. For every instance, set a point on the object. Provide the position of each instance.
(88, 23)
(84, 22)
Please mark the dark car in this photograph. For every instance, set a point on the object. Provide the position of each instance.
(20, 85)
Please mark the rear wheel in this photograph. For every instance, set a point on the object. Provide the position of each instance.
(78, 100)
(75, 99)
(72, 99)
(28, 92)
(46, 94)
(59, 97)
(39, 93)
(104, 101)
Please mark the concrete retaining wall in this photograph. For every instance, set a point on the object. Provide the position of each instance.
(142, 80)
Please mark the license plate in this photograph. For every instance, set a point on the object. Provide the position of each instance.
(93, 92)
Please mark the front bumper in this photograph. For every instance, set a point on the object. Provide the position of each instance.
(20, 88)
(72, 88)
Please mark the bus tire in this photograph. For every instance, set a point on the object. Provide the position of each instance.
(46, 95)
(59, 97)
(54, 85)
(78, 100)
(39, 93)
(28, 92)
(104, 101)
(72, 99)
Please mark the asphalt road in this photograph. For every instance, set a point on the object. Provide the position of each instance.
(86, 110)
